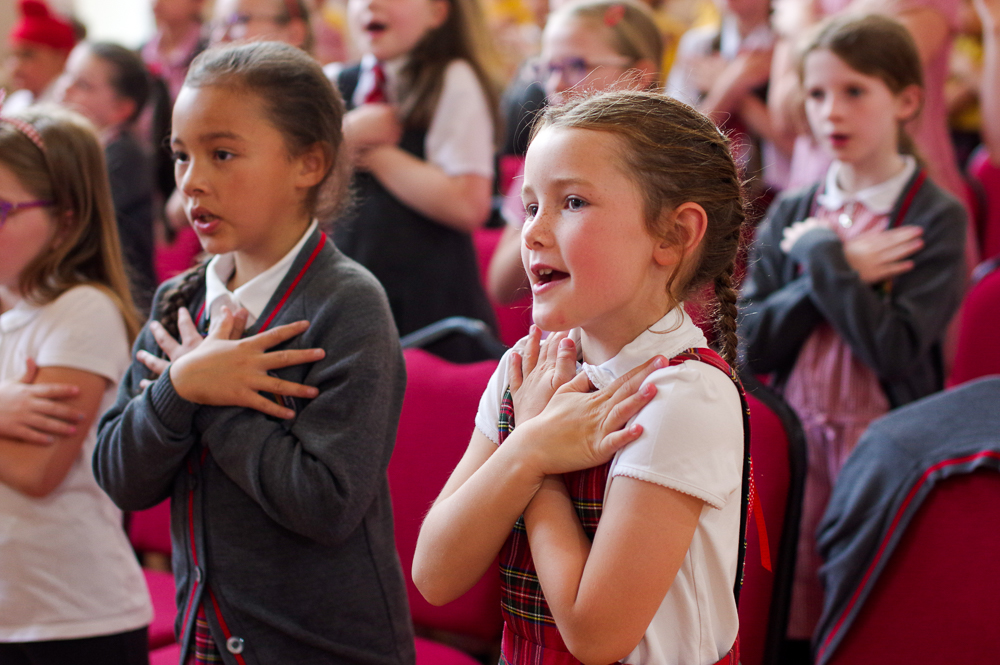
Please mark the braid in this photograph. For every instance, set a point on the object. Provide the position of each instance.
(725, 318)
(179, 296)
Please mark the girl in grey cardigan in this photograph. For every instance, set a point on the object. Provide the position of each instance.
(275, 462)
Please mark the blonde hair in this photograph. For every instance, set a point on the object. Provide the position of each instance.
(676, 155)
(630, 25)
(72, 174)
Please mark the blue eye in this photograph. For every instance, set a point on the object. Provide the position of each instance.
(575, 203)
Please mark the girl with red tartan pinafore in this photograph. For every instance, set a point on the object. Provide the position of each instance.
(617, 512)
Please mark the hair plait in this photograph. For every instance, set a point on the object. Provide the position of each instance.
(675, 154)
(179, 296)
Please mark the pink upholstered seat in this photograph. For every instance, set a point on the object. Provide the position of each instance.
(149, 531)
(777, 446)
(977, 351)
(434, 430)
(514, 319)
(937, 599)
(988, 228)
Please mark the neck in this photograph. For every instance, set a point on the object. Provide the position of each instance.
(174, 34)
(252, 262)
(854, 177)
(600, 346)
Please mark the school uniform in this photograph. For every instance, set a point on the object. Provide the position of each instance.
(429, 270)
(282, 529)
(68, 569)
(692, 442)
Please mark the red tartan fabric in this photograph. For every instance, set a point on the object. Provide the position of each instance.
(530, 636)
(205, 650)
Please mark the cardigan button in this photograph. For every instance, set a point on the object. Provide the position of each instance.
(197, 574)
(234, 644)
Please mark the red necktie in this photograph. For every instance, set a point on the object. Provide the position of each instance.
(377, 93)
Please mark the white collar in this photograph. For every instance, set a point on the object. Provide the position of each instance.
(255, 294)
(879, 199)
(19, 314)
(669, 336)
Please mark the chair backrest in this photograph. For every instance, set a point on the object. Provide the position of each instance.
(977, 353)
(937, 599)
(777, 447)
(149, 530)
(987, 176)
(514, 319)
(437, 421)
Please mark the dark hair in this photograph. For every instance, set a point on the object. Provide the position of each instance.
(676, 155)
(462, 36)
(129, 77)
(300, 102)
(70, 172)
(874, 45)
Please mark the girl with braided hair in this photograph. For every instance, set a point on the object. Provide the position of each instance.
(616, 514)
(271, 445)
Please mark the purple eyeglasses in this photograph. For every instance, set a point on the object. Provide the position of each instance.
(7, 208)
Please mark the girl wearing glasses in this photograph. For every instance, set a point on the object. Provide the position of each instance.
(586, 47)
(71, 589)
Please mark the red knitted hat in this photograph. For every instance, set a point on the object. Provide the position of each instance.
(38, 25)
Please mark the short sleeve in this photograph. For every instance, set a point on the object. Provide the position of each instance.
(488, 415)
(460, 137)
(692, 438)
(83, 329)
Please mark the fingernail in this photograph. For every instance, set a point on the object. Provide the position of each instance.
(314, 392)
(660, 362)
(565, 343)
(636, 429)
(648, 390)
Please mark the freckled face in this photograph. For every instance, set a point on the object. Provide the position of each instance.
(585, 247)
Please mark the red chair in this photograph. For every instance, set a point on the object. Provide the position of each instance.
(435, 426)
(987, 176)
(977, 352)
(777, 446)
(938, 598)
(149, 531)
(514, 319)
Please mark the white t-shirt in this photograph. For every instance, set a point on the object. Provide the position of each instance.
(460, 137)
(66, 567)
(692, 442)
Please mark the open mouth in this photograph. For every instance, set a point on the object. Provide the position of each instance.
(375, 27)
(549, 275)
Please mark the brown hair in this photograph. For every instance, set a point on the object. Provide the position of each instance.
(676, 155)
(631, 27)
(873, 45)
(129, 77)
(70, 172)
(462, 36)
(300, 102)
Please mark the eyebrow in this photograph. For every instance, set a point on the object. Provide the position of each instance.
(558, 182)
(211, 136)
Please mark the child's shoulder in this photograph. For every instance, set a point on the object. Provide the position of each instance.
(83, 300)
(339, 285)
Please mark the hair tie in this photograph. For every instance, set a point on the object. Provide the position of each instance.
(21, 125)
(613, 15)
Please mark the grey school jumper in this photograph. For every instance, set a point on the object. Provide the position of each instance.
(291, 534)
(899, 335)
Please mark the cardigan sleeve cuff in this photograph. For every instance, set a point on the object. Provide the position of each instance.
(175, 412)
(805, 248)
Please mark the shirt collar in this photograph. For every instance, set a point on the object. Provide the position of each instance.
(18, 316)
(255, 294)
(879, 199)
(669, 336)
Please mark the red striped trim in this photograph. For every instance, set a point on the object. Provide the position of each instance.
(912, 192)
(225, 627)
(888, 536)
(194, 553)
(288, 292)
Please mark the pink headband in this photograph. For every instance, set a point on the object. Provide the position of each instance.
(21, 125)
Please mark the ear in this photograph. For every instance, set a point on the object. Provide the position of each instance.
(439, 12)
(312, 166)
(647, 74)
(689, 222)
(909, 101)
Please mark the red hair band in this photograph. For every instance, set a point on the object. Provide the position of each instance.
(613, 15)
(22, 125)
